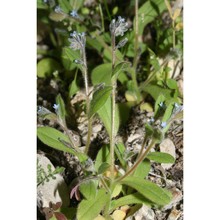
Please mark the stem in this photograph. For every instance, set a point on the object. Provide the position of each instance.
(140, 159)
(174, 44)
(135, 61)
(112, 138)
(142, 147)
(85, 75)
(136, 56)
(174, 35)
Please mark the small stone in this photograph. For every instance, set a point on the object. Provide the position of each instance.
(174, 215)
(144, 213)
(53, 191)
(167, 146)
(177, 197)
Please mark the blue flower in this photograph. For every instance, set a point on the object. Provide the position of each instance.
(56, 107)
(74, 14)
(118, 27)
(78, 40)
(58, 10)
(152, 119)
(161, 104)
(163, 124)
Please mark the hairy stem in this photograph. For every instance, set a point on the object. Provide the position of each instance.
(136, 55)
(114, 85)
(140, 159)
(85, 76)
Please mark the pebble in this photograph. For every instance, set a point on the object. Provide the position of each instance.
(167, 146)
(144, 213)
(53, 191)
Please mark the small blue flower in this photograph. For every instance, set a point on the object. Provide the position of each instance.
(56, 107)
(45, 1)
(152, 119)
(118, 27)
(58, 10)
(74, 14)
(77, 40)
(176, 105)
(163, 124)
(161, 104)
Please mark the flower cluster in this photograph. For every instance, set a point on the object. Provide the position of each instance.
(118, 27)
(78, 40)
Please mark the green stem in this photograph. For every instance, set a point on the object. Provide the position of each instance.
(136, 56)
(85, 76)
(142, 147)
(112, 137)
(174, 42)
(139, 160)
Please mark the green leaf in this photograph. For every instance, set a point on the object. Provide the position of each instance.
(103, 156)
(69, 212)
(143, 169)
(120, 67)
(160, 99)
(160, 157)
(65, 6)
(102, 74)
(89, 209)
(52, 137)
(88, 189)
(92, 42)
(148, 129)
(41, 4)
(135, 198)
(103, 167)
(73, 89)
(99, 99)
(155, 91)
(105, 114)
(148, 12)
(116, 191)
(68, 58)
(119, 151)
(108, 55)
(61, 109)
(146, 106)
(46, 67)
(171, 83)
(168, 112)
(148, 189)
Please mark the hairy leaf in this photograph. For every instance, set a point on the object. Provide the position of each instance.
(99, 99)
(52, 137)
(143, 169)
(88, 189)
(148, 189)
(61, 109)
(105, 115)
(103, 156)
(46, 67)
(160, 157)
(119, 68)
(103, 167)
(102, 74)
(65, 5)
(148, 12)
(135, 198)
(89, 209)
